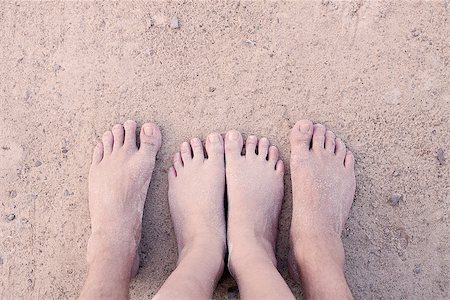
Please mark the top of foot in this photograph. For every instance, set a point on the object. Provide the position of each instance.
(119, 178)
(255, 193)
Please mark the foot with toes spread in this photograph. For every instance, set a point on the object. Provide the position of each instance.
(323, 187)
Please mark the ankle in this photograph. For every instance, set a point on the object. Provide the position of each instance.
(318, 248)
(204, 252)
(252, 253)
(200, 266)
(103, 250)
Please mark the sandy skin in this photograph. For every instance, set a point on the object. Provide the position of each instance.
(323, 189)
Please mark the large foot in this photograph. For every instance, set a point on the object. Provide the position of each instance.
(196, 200)
(323, 184)
(118, 181)
(255, 194)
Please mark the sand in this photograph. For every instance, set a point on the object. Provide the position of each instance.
(375, 72)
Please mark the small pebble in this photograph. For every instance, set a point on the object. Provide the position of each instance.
(440, 156)
(211, 89)
(417, 269)
(64, 150)
(232, 293)
(12, 194)
(250, 42)
(395, 199)
(37, 163)
(175, 24)
(11, 217)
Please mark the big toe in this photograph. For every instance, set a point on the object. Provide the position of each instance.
(233, 144)
(301, 135)
(150, 138)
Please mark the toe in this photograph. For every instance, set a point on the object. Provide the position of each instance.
(318, 140)
(197, 149)
(186, 152)
(108, 141)
(98, 154)
(250, 146)
(233, 144)
(171, 173)
(150, 140)
(130, 134)
(118, 134)
(263, 148)
(273, 155)
(177, 162)
(330, 141)
(301, 135)
(214, 146)
(279, 167)
(349, 160)
(341, 149)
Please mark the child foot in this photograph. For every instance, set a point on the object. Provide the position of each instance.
(118, 181)
(323, 186)
(196, 200)
(255, 193)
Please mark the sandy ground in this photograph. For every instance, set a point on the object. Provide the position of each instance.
(376, 73)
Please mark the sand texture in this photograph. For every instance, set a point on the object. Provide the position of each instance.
(375, 72)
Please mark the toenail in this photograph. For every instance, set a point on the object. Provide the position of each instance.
(148, 130)
(234, 135)
(214, 138)
(304, 128)
(251, 138)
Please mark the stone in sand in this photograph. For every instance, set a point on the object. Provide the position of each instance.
(11, 217)
(440, 156)
(395, 199)
(175, 24)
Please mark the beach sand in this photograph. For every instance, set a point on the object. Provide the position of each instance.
(374, 72)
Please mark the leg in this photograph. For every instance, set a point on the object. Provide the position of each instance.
(255, 193)
(323, 184)
(118, 181)
(196, 200)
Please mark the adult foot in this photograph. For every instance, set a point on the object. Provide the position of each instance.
(323, 186)
(255, 194)
(196, 200)
(119, 178)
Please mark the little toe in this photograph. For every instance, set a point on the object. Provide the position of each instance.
(130, 134)
(214, 146)
(97, 155)
(318, 140)
(330, 141)
(118, 134)
(273, 155)
(150, 137)
(341, 149)
(171, 173)
(250, 146)
(177, 162)
(263, 148)
(349, 160)
(279, 167)
(197, 149)
(108, 141)
(233, 144)
(186, 152)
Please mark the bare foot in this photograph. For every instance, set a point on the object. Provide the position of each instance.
(196, 200)
(255, 193)
(323, 184)
(118, 181)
